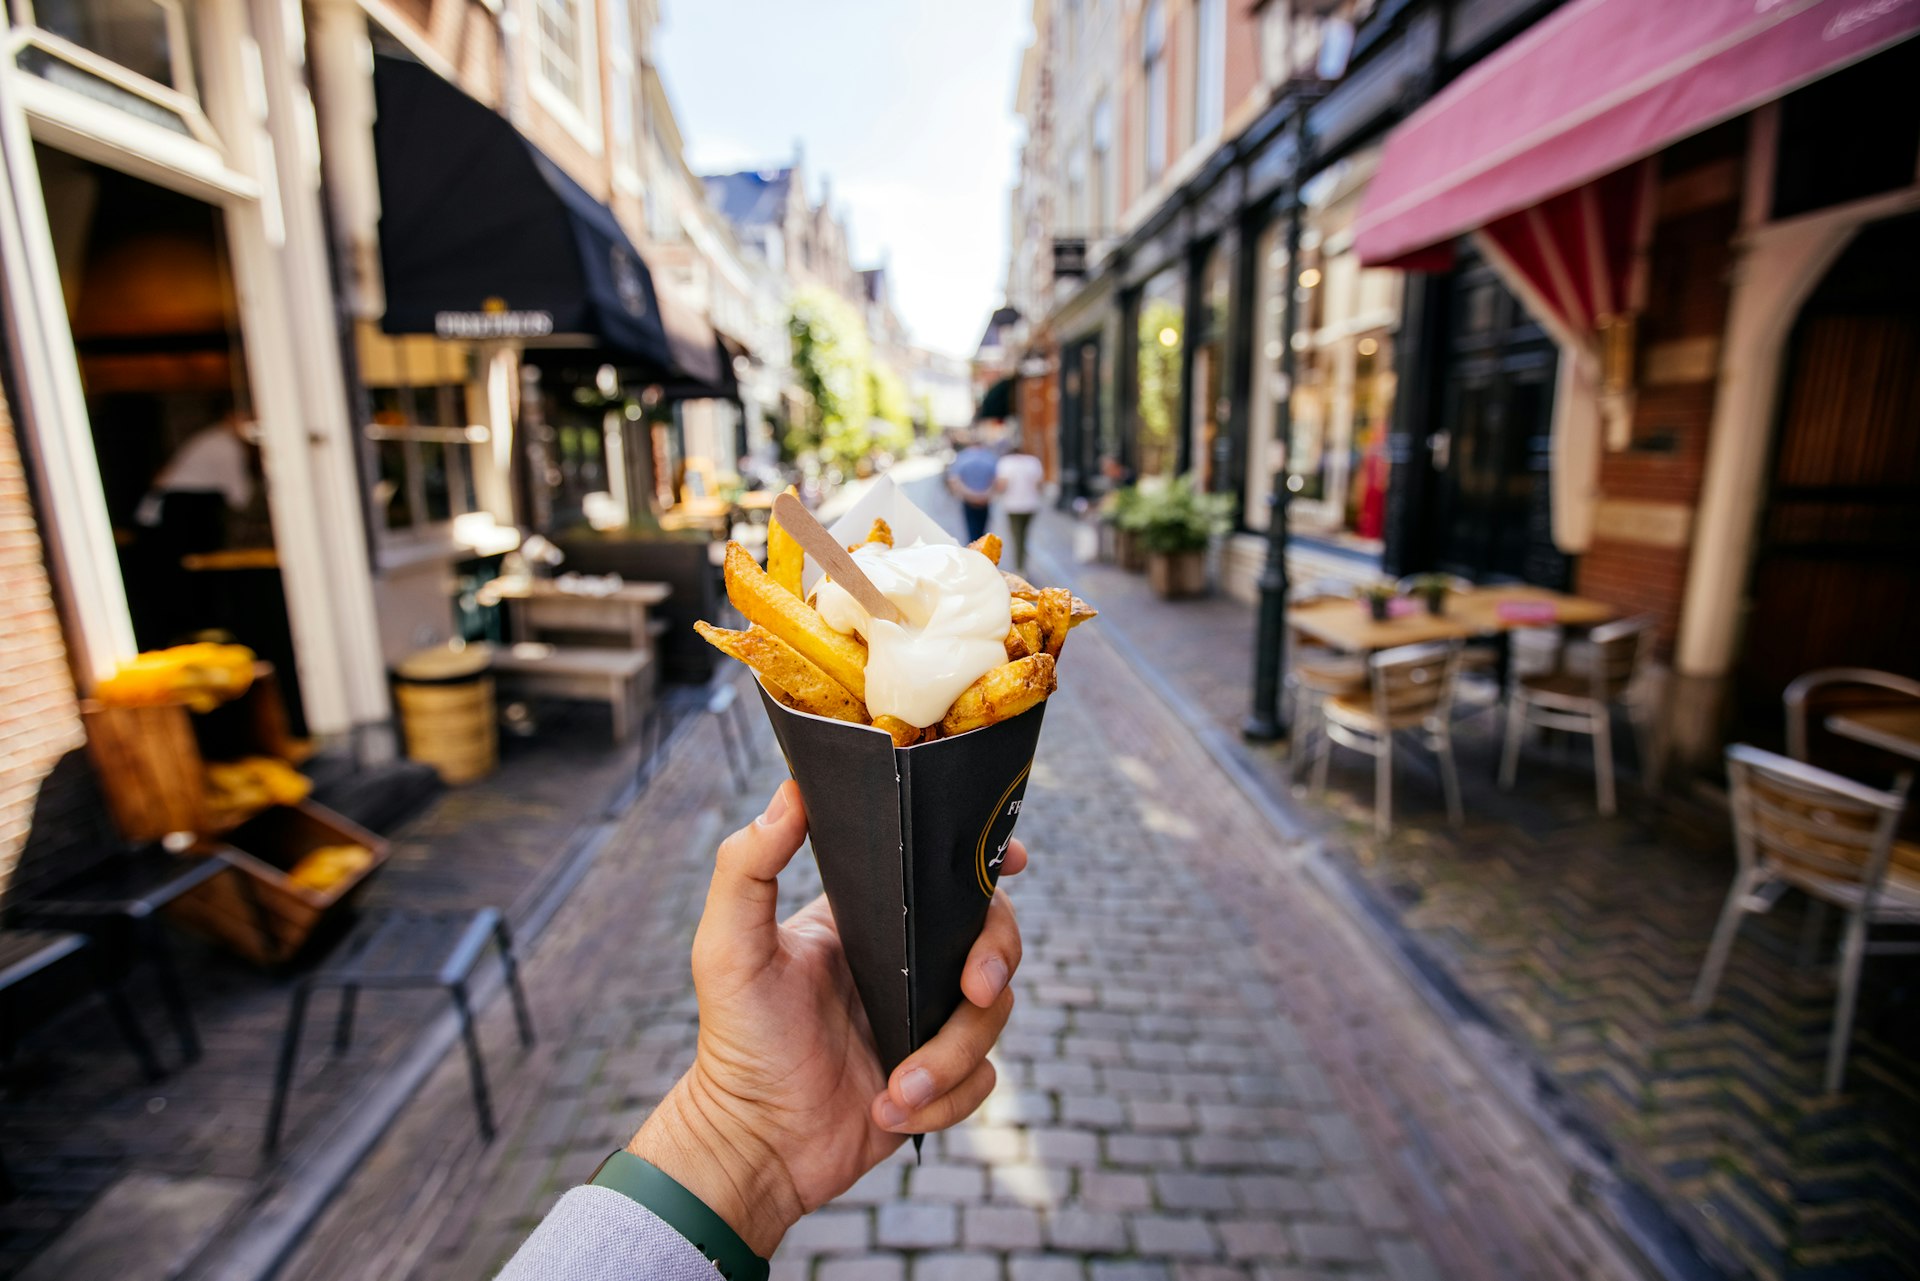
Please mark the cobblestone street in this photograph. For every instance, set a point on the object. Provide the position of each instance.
(1210, 1074)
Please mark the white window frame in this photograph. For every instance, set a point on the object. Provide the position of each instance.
(1101, 175)
(1154, 60)
(581, 118)
(622, 87)
(1209, 69)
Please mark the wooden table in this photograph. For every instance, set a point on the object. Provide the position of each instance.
(547, 604)
(1350, 625)
(1891, 729)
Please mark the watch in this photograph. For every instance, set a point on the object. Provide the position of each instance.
(646, 1184)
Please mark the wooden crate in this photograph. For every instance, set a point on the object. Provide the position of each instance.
(152, 760)
(263, 850)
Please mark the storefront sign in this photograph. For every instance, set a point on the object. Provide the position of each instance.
(1069, 256)
(477, 325)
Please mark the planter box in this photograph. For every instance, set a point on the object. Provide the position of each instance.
(1132, 555)
(265, 917)
(1173, 575)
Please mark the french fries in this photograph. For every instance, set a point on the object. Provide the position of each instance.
(809, 688)
(760, 600)
(808, 666)
(784, 557)
(1000, 695)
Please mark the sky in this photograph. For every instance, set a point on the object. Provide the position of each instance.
(906, 106)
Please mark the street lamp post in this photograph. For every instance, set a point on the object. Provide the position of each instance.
(1266, 723)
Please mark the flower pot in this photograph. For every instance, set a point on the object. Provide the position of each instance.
(1380, 605)
(1173, 575)
(1132, 554)
(1437, 602)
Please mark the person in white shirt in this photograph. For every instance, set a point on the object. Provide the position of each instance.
(217, 459)
(1020, 480)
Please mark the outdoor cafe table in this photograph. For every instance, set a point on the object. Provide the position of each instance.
(535, 603)
(1350, 626)
(1891, 729)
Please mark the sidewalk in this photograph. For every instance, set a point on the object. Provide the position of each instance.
(1567, 944)
(1211, 1074)
(120, 1176)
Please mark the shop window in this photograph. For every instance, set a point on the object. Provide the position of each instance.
(1161, 335)
(424, 452)
(1210, 68)
(1843, 137)
(564, 66)
(1155, 56)
(1101, 175)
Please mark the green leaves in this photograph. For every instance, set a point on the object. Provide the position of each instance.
(856, 406)
(1171, 515)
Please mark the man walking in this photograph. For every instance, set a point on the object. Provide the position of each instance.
(971, 479)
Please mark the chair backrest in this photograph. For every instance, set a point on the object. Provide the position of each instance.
(1414, 681)
(1804, 687)
(1809, 825)
(1618, 649)
(1319, 589)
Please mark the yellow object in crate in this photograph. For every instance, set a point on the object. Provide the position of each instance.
(238, 788)
(328, 866)
(202, 676)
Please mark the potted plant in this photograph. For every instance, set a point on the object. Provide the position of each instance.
(1379, 598)
(1433, 589)
(1173, 521)
(1119, 510)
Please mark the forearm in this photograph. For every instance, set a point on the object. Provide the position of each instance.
(694, 1139)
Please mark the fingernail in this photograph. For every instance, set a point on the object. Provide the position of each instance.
(916, 1087)
(996, 971)
(891, 1113)
(776, 808)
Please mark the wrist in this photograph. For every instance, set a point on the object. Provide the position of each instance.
(692, 1140)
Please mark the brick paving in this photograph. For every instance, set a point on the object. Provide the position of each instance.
(1578, 940)
(1210, 1074)
(77, 1117)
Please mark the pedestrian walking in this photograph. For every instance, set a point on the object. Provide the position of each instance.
(1020, 479)
(785, 1105)
(971, 479)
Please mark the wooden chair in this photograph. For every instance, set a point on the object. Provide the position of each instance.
(1800, 827)
(1806, 688)
(1409, 688)
(1580, 702)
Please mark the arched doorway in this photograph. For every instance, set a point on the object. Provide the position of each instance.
(1836, 574)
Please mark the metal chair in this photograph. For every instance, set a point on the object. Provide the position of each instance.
(1315, 672)
(1580, 702)
(1410, 688)
(1804, 687)
(1797, 826)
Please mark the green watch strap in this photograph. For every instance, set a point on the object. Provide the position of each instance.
(646, 1184)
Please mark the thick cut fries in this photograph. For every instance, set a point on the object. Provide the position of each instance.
(987, 545)
(1018, 587)
(784, 557)
(1000, 695)
(881, 532)
(1030, 635)
(1016, 644)
(1024, 611)
(806, 686)
(763, 601)
(1082, 613)
(1056, 613)
(903, 734)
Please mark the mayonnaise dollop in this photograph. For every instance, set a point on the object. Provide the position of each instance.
(957, 610)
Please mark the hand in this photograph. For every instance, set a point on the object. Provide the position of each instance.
(785, 1104)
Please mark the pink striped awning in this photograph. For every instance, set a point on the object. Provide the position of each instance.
(1589, 90)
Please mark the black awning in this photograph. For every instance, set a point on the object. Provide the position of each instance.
(997, 404)
(483, 236)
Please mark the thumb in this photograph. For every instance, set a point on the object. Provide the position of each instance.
(739, 918)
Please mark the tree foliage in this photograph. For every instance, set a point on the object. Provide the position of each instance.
(833, 362)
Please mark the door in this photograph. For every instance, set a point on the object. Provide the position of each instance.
(1490, 515)
(1836, 579)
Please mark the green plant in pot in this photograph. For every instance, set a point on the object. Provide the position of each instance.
(1174, 522)
(1120, 510)
(1433, 589)
(1380, 598)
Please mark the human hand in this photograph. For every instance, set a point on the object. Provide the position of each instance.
(785, 1105)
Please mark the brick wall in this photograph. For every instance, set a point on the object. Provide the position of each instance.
(38, 719)
(1649, 491)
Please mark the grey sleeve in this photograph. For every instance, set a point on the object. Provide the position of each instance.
(596, 1234)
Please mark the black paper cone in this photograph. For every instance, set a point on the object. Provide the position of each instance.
(909, 842)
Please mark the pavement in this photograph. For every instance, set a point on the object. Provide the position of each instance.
(1213, 1071)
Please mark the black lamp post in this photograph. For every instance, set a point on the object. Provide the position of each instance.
(1265, 722)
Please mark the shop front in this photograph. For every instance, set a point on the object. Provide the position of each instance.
(176, 375)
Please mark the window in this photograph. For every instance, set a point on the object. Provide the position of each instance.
(620, 91)
(1156, 67)
(1076, 211)
(1210, 68)
(1100, 216)
(564, 72)
(424, 448)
